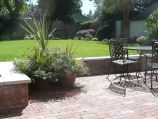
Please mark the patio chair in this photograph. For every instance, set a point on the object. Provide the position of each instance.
(152, 66)
(119, 57)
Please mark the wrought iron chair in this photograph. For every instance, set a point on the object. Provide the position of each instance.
(119, 57)
(152, 66)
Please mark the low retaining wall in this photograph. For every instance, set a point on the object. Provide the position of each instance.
(100, 65)
(14, 86)
(13, 89)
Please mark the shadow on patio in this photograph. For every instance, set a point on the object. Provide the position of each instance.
(90, 99)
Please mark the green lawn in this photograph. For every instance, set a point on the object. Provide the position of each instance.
(11, 50)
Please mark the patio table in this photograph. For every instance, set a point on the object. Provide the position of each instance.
(139, 48)
(142, 51)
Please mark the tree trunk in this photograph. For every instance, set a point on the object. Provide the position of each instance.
(126, 25)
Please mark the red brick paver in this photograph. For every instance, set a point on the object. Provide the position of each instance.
(91, 101)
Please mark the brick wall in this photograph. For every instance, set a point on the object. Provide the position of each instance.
(100, 65)
(13, 98)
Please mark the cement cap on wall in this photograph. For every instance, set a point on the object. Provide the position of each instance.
(9, 76)
(99, 58)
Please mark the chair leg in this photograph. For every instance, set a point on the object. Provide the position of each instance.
(151, 80)
(109, 68)
(145, 75)
(156, 76)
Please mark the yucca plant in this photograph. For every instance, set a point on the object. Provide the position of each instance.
(39, 30)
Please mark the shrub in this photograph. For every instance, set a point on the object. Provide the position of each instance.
(132, 39)
(84, 25)
(152, 26)
(95, 39)
(104, 31)
(85, 34)
(142, 40)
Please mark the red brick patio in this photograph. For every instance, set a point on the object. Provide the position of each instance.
(91, 100)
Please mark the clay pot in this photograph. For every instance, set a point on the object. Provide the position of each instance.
(68, 81)
(41, 84)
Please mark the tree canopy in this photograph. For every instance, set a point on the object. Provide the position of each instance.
(10, 11)
(125, 8)
(62, 10)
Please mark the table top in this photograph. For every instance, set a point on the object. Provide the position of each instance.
(142, 48)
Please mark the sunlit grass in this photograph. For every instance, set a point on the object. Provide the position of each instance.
(11, 50)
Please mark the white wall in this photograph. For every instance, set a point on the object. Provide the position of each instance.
(137, 28)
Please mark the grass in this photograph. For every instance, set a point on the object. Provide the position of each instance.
(11, 50)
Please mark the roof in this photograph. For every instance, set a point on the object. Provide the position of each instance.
(147, 12)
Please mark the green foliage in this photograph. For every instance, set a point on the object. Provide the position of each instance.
(13, 7)
(50, 65)
(122, 9)
(141, 39)
(132, 39)
(62, 10)
(84, 25)
(104, 31)
(130, 5)
(39, 30)
(152, 26)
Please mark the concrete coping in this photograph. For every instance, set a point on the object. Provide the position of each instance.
(99, 58)
(11, 77)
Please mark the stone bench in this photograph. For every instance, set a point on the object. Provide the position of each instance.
(13, 89)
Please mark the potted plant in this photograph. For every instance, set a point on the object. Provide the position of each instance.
(55, 65)
(43, 65)
(37, 66)
(67, 67)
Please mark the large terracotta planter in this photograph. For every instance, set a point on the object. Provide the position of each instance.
(41, 84)
(69, 80)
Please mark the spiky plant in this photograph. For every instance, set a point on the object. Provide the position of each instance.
(39, 29)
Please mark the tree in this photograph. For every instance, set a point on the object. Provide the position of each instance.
(125, 7)
(60, 9)
(11, 10)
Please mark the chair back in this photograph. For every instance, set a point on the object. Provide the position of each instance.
(116, 50)
(154, 52)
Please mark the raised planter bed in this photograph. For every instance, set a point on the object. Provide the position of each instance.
(13, 89)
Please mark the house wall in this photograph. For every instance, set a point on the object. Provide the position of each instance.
(137, 28)
(118, 29)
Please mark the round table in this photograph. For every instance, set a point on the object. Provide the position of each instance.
(139, 48)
